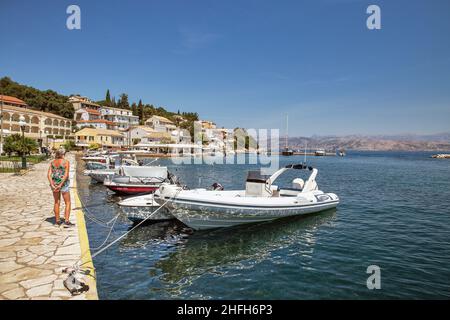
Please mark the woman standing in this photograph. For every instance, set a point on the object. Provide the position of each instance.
(58, 176)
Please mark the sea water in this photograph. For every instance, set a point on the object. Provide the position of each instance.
(394, 214)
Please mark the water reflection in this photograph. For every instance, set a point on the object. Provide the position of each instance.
(206, 251)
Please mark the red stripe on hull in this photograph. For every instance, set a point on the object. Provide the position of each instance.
(132, 190)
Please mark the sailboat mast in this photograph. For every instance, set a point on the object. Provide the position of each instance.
(287, 130)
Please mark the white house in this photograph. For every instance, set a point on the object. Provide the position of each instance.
(124, 119)
(160, 124)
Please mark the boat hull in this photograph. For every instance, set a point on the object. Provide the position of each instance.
(143, 208)
(100, 177)
(199, 216)
(131, 190)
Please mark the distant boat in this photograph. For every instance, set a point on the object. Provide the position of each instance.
(320, 152)
(341, 153)
(441, 156)
(287, 152)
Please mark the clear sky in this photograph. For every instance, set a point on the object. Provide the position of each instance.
(245, 63)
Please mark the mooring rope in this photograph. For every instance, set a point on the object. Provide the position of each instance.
(77, 265)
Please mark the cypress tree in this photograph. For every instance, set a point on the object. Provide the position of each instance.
(108, 98)
(140, 112)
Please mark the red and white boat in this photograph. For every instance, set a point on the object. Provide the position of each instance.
(133, 180)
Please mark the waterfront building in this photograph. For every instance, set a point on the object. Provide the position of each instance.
(103, 137)
(144, 134)
(113, 118)
(87, 114)
(124, 119)
(160, 124)
(98, 124)
(39, 125)
(78, 102)
(207, 124)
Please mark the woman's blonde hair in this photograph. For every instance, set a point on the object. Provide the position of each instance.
(59, 154)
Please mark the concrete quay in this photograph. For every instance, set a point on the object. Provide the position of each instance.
(33, 250)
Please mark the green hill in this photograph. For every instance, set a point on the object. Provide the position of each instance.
(48, 100)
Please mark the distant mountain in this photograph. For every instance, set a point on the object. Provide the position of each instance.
(408, 142)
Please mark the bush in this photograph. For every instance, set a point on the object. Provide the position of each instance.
(93, 146)
(69, 145)
(16, 144)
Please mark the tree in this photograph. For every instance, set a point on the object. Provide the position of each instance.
(140, 112)
(69, 145)
(15, 144)
(48, 100)
(108, 98)
(123, 102)
(134, 109)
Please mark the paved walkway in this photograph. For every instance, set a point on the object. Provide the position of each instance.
(33, 250)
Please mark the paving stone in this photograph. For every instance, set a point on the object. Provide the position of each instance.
(35, 234)
(14, 294)
(41, 291)
(6, 254)
(38, 261)
(8, 266)
(23, 274)
(61, 293)
(27, 284)
(7, 242)
(8, 286)
(68, 250)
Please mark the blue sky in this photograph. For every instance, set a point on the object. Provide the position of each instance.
(245, 63)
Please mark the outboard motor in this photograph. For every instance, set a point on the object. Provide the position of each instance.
(217, 186)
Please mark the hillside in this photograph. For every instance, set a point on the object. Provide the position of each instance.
(48, 100)
(53, 102)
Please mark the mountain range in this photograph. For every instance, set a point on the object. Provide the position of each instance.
(404, 142)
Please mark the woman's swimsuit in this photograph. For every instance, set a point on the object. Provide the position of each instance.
(58, 173)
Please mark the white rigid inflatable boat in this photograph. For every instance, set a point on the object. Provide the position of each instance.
(260, 201)
(143, 208)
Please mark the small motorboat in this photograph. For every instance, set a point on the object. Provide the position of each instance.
(99, 175)
(95, 166)
(143, 208)
(133, 180)
(287, 152)
(260, 201)
(320, 153)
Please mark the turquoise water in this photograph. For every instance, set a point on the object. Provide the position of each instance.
(394, 213)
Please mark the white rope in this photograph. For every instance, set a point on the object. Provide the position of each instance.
(137, 225)
(77, 264)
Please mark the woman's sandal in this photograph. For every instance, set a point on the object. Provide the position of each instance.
(68, 224)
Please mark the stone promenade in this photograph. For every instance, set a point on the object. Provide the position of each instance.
(33, 250)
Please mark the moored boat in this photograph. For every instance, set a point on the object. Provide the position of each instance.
(260, 201)
(144, 208)
(133, 180)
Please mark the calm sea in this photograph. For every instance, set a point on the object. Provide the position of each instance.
(394, 213)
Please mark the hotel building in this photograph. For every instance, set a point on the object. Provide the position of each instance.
(39, 125)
